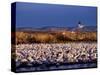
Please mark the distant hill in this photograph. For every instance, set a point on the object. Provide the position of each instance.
(53, 28)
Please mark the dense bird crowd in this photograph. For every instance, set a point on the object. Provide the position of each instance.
(56, 53)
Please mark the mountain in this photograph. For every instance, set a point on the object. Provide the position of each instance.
(47, 28)
(54, 28)
(26, 29)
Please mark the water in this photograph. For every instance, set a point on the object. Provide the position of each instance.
(42, 67)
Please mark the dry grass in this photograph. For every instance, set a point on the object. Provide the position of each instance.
(59, 37)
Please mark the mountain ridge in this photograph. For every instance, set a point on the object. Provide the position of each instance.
(54, 28)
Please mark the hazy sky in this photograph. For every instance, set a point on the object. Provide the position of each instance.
(41, 15)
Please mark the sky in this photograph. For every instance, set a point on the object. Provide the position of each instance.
(37, 15)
